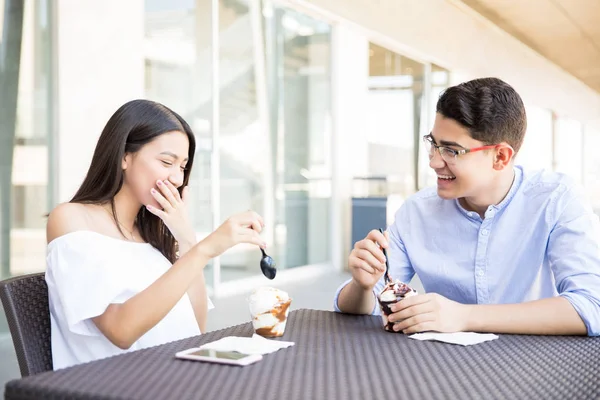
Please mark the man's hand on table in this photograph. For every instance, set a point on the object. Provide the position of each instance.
(429, 312)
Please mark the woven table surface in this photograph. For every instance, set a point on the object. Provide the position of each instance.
(338, 356)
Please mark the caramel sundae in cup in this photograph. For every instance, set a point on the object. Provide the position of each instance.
(269, 308)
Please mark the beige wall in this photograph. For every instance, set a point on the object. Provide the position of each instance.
(448, 33)
(100, 56)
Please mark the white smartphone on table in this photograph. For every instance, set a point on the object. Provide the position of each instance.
(219, 357)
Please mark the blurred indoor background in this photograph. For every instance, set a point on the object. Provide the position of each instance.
(309, 112)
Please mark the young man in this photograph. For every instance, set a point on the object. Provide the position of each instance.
(498, 249)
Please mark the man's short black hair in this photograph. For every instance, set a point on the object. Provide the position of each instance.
(489, 108)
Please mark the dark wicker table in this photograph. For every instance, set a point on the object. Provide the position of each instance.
(338, 357)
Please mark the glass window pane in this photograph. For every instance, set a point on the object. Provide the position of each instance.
(394, 107)
(440, 80)
(243, 135)
(569, 148)
(274, 128)
(24, 138)
(536, 151)
(1, 20)
(592, 166)
(178, 74)
(300, 140)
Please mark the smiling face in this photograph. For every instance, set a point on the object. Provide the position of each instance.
(471, 174)
(164, 158)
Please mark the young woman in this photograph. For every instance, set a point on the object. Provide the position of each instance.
(124, 269)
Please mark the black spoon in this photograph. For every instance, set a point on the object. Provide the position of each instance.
(387, 264)
(267, 265)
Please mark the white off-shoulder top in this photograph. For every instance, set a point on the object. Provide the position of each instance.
(86, 272)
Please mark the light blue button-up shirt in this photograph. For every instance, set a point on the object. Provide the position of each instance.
(541, 241)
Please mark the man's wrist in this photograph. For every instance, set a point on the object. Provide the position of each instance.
(360, 288)
(367, 293)
(472, 322)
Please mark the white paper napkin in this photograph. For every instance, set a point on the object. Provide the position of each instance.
(462, 338)
(254, 345)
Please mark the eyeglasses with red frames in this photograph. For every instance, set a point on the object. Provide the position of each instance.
(449, 155)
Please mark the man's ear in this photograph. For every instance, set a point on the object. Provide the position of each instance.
(503, 156)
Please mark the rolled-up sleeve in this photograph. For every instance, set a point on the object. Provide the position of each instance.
(400, 267)
(337, 296)
(574, 256)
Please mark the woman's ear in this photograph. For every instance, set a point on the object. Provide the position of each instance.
(126, 161)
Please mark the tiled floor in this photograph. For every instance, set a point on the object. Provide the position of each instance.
(314, 293)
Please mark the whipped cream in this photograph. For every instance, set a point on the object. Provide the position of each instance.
(396, 290)
(264, 299)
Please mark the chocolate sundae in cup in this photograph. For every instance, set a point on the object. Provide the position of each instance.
(393, 292)
(269, 308)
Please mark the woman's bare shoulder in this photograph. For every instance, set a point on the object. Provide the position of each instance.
(67, 218)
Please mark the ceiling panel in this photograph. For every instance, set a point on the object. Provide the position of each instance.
(585, 13)
(567, 32)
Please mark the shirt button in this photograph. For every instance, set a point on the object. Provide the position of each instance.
(480, 272)
(484, 232)
(490, 213)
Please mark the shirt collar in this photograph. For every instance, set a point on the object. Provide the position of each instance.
(513, 189)
(518, 179)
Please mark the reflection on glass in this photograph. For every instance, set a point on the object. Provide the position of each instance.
(536, 151)
(592, 166)
(439, 81)
(394, 113)
(1, 20)
(569, 148)
(24, 137)
(274, 120)
(243, 135)
(177, 50)
(298, 60)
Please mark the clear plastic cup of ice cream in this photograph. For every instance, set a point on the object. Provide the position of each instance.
(392, 293)
(269, 309)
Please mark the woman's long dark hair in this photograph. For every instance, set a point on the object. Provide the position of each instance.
(132, 126)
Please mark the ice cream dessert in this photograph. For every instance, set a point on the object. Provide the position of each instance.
(392, 292)
(269, 308)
